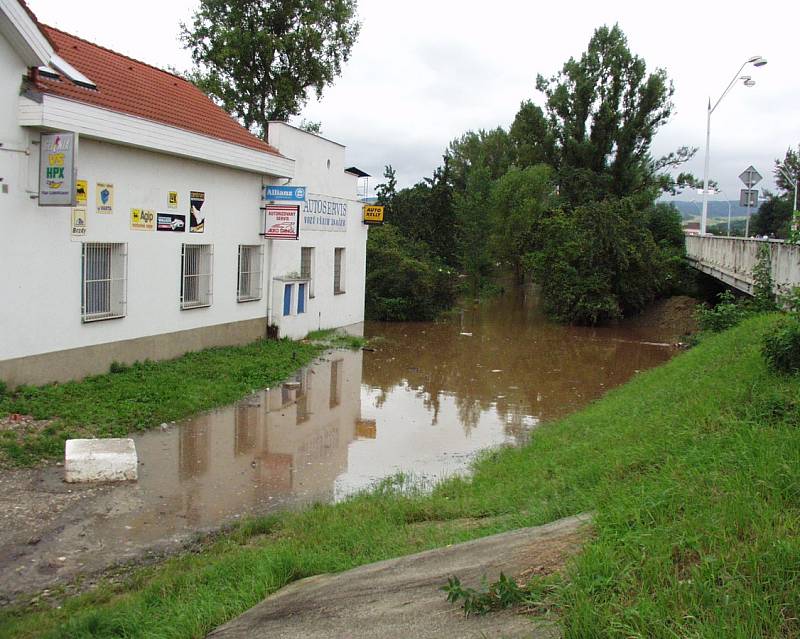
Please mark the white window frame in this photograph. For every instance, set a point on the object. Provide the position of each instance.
(311, 266)
(339, 270)
(197, 275)
(250, 270)
(104, 281)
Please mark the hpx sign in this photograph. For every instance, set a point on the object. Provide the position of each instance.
(285, 193)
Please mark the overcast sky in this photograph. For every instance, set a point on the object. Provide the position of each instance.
(422, 73)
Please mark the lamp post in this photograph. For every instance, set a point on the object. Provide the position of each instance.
(791, 181)
(756, 61)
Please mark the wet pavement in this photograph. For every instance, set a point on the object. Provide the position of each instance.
(425, 401)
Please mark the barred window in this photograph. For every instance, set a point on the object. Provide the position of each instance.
(307, 267)
(196, 275)
(338, 271)
(250, 266)
(104, 272)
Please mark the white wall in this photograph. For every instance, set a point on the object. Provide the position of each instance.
(326, 310)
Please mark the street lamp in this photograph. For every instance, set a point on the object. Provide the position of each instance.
(791, 180)
(756, 61)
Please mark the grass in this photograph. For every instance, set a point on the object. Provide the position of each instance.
(331, 338)
(693, 469)
(141, 396)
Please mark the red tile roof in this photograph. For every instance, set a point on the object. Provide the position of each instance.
(132, 87)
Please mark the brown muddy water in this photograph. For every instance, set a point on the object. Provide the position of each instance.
(424, 402)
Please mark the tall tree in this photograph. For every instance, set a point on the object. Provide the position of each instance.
(791, 166)
(259, 58)
(602, 112)
(471, 209)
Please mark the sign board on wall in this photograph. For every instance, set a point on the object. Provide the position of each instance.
(104, 195)
(78, 222)
(171, 222)
(323, 213)
(281, 222)
(57, 153)
(197, 220)
(143, 220)
(284, 193)
(373, 214)
(172, 200)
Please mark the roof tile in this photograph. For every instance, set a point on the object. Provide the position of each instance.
(135, 88)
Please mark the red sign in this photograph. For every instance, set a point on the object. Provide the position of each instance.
(281, 222)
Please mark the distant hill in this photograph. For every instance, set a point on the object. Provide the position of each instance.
(716, 209)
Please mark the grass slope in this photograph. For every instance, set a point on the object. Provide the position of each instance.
(693, 469)
(143, 395)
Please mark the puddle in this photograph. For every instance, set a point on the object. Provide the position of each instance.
(424, 401)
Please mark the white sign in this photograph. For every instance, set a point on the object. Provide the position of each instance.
(280, 221)
(57, 152)
(323, 213)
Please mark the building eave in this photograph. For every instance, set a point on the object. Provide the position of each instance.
(21, 30)
(103, 124)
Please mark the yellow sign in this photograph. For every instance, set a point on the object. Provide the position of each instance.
(143, 220)
(373, 214)
(81, 190)
(172, 200)
(78, 222)
(104, 197)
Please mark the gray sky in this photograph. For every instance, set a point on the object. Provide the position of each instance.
(422, 73)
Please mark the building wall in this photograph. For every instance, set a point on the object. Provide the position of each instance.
(312, 154)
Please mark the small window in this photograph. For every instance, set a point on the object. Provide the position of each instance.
(196, 275)
(301, 298)
(103, 281)
(338, 271)
(307, 268)
(287, 299)
(250, 265)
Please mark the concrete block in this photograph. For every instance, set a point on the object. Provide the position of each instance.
(100, 460)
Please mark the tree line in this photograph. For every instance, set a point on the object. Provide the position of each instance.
(566, 195)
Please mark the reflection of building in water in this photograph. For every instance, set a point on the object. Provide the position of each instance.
(288, 443)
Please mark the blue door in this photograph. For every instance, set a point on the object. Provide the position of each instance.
(301, 298)
(287, 299)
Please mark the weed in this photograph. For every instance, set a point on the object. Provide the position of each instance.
(498, 595)
(118, 367)
(727, 312)
(781, 346)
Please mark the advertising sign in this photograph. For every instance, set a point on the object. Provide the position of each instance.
(281, 222)
(170, 222)
(78, 222)
(143, 220)
(57, 153)
(81, 192)
(172, 200)
(285, 193)
(324, 213)
(373, 214)
(197, 221)
(104, 195)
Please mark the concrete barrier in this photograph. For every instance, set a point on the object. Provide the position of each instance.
(87, 460)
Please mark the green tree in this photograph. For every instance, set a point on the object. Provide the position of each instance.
(471, 209)
(488, 149)
(791, 165)
(602, 112)
(773, 218)
(259, 58)
(519, 199)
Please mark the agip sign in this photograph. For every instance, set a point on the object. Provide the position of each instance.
(57, 169)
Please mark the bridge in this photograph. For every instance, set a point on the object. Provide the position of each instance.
(732, 260)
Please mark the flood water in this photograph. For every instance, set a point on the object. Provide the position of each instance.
(425, 401)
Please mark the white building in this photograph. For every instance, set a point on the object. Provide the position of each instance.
(130, 273)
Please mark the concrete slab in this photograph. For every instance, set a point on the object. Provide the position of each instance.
(401, 598)
(88, 460)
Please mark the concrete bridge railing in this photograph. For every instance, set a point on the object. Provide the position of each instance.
(732, 259)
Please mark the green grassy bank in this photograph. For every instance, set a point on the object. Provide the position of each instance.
(144, 395)
(693, 469)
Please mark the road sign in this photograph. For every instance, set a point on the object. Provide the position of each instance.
(748, 198)
(285, 193)
(750, 177)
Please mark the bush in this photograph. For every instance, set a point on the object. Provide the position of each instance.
(118, 367)
(404, 282)
(728, 312)
(3, 389)
(781, 347)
